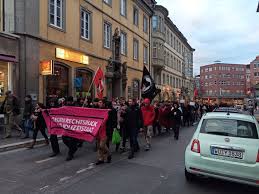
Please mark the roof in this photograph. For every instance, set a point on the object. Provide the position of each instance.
(214, 64)
(258, 7)
(223, 115)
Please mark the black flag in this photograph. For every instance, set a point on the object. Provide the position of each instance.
(148, 87)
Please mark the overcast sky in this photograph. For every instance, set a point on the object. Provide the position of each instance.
(225, 30)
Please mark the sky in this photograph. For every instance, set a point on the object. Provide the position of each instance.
(218, 30)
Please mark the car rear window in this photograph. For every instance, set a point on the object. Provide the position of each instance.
(229, 127)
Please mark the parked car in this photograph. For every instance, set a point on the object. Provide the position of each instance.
(225, 145)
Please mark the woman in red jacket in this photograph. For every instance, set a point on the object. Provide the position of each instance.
(148, 113)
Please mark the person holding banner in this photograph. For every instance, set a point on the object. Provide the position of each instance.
(103, 150)
(39, 124)
(54, 138)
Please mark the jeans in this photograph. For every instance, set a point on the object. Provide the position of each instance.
(54, 144)
(27, 126)
(133, 137)
(71, 143)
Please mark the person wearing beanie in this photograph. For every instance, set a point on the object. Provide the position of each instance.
(148, 114)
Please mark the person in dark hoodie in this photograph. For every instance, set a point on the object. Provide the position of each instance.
(27, 113)
(176, 115)
(39, 124)
(133, 122)
(111, 123)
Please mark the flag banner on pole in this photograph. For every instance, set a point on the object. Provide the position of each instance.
(148, 87)
(98, 82)
(76, 122)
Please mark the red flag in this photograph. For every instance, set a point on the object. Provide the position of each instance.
(98, 82)
(195, 92)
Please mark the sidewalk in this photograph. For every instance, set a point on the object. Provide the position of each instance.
(15, 141)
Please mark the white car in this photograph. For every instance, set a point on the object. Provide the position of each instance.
(225, 146)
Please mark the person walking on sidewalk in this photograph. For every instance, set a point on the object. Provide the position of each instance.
(27, 113)
(11, 110)
(39, 124)
(133, 122)
(148, 114)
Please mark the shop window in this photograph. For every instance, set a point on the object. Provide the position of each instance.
(82, 83)
(6, 80)
(58, 84)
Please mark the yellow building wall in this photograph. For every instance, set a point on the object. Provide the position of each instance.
(70, 37)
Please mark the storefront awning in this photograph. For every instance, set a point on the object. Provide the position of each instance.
(8, 58)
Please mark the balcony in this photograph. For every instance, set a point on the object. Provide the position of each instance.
(158, 63)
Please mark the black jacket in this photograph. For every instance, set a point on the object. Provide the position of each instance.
(176, 114)
(133, 118)
(111, 122)
(28, 110)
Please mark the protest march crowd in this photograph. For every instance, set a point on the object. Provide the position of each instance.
(126, 119)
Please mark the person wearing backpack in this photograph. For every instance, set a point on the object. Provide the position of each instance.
(10, 108)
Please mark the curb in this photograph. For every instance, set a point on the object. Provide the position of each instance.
(23, 144)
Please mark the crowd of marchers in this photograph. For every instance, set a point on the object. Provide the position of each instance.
(129, 117)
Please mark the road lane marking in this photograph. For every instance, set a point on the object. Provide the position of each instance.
(64, 178)
(45, 160)
(7, 180)
(85, 169)
(45, 187)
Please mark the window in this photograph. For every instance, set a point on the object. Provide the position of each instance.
(230, 128)
(85, 24)
(145, 55)
(123, 7)
(56, 13)
(135, 49)
(123, 43)
(167, 79)
(107, 35)
(135, 16)
(154, 23)
(108, 2)
(154, 50)
(171, 43)
(171, 80)
(145, 24)
(163, 78)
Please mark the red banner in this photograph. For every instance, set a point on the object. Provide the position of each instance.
(77, 122)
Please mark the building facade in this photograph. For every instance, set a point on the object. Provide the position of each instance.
(223, 83)
(254, 78)
(172, 57)
(63, 42)
(9, 54)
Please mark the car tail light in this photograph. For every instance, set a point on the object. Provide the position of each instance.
(257, 159)
(196, 146)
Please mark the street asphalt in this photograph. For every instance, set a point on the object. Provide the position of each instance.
(159, 171)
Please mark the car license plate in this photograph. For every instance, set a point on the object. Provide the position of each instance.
(227, 153)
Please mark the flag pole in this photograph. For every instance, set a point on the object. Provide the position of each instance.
(91, 85)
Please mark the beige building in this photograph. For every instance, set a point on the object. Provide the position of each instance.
(78, 37)
(9, 54)
(172, 58)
